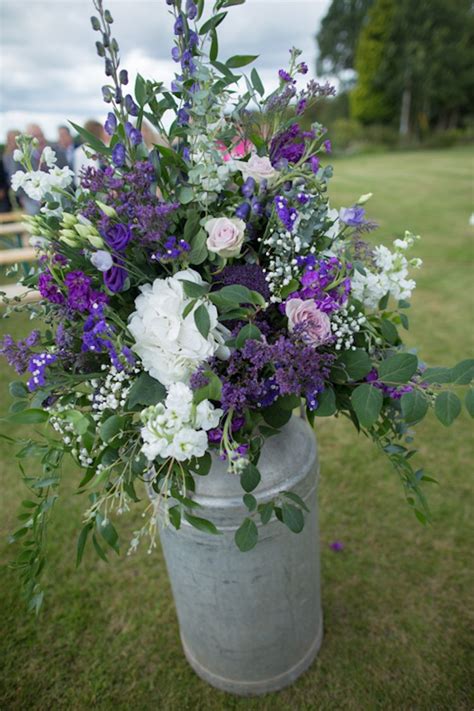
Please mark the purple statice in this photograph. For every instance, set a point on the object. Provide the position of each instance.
(327, 146)
(250, 275)
(49, 289)
(110, 124)
(18, 353)
(172, 248)
(286, 214)
(115, 278)
(118, 236)
(280, 99)
(302, 68)
(182, 117)
(256, 375)
(37, 367)
(352, 216)
(118, 155)
(394, 392)
(284, 76)
(287, 145)
(301, 106)
(314, 89)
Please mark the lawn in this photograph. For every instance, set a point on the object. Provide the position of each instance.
(399, 626)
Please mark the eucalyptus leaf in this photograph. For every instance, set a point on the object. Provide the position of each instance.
(146, 391)
(246, 536)
(250, 477)
(202, 524)
(326, 403)
(367, 402)
(398, 368)
(447, 407)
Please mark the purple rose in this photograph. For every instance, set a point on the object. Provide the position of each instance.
(114, 278)
(118, 236)
(314, 324)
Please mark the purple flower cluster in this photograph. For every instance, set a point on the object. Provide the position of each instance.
(80, 294)
(172, 248)
(37, 367)
(18, 353)
(286, 214)
(259, 373)
(49, 289)
(394, 392)
(323, 280)
(133, 197)
(287, 145)
(98, 337)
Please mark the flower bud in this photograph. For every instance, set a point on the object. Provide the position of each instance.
(95, 23)
(108, 17)
(95, 241)
(69, 220)
(107, 209)
(364, 198)
(100, 49)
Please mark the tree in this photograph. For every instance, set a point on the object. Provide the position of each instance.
(414, 63)
(370, 102)
(339, 33)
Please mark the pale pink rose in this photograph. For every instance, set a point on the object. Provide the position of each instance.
(257, 167)
(315, 324)
(226, 235)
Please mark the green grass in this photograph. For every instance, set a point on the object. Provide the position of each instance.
(399, 630)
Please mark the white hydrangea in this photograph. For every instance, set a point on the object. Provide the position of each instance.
(391, 277)
(172, 347)
(177, 428)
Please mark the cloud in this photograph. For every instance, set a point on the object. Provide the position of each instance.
(51, 73)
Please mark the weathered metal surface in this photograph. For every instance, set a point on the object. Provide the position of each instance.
(251, 622)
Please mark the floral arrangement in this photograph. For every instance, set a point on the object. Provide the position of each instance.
(194, 295)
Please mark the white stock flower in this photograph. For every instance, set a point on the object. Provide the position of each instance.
(18, 155)
(207, 416)
(171, 347)
(176, 428)
(48, 156)
(188, 443)
(180, 400)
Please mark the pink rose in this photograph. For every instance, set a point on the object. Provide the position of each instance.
(258, 168)
(226, 235)
(315, 324)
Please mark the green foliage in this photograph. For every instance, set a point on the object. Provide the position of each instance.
(339, 33)
(367, 402)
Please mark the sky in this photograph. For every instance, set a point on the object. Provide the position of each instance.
(50, 72)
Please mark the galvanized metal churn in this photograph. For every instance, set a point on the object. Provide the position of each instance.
(251, 622)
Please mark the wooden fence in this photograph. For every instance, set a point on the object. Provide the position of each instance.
(14, 249)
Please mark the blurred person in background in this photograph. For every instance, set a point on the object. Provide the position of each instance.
(9, 163)
(5, 204)
(66, 144)
(84, 160)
